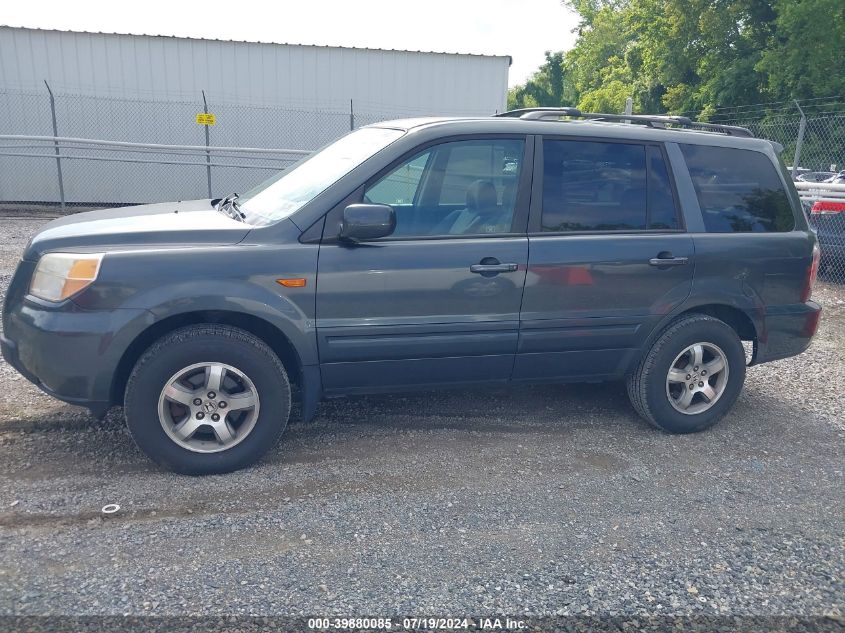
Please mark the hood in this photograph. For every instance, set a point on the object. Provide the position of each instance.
(183, 223)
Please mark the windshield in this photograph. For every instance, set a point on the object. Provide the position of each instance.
(288, 191)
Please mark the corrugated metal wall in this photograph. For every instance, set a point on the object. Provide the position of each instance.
(251, 73)
(148, 89)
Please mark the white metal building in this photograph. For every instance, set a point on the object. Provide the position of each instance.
(148, 89)
(254, 73)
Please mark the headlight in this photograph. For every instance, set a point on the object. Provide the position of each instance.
(61, 275)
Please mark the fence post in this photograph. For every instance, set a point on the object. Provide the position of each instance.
(629, 108)
(207, 145)
(56, 143)
(351, 117)
(802, 127)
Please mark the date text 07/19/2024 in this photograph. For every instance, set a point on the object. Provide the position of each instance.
(417, 624)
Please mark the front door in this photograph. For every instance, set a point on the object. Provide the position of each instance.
(609, 257)
(437, 302)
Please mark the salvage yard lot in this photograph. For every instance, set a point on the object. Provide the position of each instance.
(550, 499)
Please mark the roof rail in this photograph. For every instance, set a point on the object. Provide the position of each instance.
(523, 113)
(650, 120)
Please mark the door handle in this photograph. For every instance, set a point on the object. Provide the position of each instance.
(493, 268)
(668, 261)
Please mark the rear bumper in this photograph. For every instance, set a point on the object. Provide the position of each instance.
(788, 331)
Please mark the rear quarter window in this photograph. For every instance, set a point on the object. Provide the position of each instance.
(739, 190)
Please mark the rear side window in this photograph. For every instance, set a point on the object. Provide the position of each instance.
(739, 190)
(598, 186)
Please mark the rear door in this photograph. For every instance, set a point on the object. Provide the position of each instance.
(609, 257)
(437, 303)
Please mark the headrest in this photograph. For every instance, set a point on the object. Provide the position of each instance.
(481, 196)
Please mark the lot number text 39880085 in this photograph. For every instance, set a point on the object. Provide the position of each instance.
(417, 624)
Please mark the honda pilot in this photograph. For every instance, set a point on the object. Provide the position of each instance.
(545, 245)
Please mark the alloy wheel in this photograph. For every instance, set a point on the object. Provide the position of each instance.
(697, 378)
(208, 407)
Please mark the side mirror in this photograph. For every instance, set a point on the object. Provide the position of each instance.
(362, 222)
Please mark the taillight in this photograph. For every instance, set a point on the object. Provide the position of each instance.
(812, 272)
(826, 207)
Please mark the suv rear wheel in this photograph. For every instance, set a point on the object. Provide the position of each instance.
(207, 399)
(691, 376)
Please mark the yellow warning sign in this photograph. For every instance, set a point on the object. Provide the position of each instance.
(205, 119)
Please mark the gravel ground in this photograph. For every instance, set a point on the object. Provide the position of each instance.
(541, 500)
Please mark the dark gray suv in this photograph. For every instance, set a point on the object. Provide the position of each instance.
(542, 245)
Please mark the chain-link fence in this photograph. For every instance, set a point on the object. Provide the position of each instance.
(86, 151)
(113, 151)
(815, 138)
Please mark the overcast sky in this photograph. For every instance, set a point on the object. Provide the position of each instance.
(522, 29)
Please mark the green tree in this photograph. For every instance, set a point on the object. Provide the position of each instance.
(545, 88)
(596, 66)
(806, 52)
(694, 56)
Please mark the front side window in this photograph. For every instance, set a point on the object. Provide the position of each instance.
(456, 188)
(739, 190)
(291, 189)
(401, 185)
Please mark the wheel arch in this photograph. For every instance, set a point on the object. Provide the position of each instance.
(266, 331)
(737, 318)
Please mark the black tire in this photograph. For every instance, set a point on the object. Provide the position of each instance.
(647, 384)
(198, 344)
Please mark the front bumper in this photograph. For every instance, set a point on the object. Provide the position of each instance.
(69, 353)
(9, 351)
(788, 331)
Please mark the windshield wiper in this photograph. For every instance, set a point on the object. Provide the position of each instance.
(229, 206)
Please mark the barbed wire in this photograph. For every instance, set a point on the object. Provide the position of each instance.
(339, 107)
(756, 109)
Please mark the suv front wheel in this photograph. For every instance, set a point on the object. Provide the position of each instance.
(691, 376)
(207, 399)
